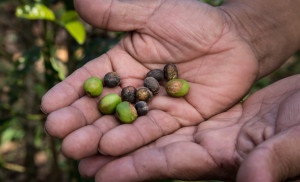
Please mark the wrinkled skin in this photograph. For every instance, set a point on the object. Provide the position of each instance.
(257, 140)
(203, 42)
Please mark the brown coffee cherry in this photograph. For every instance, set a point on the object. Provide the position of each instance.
(158, 74)
(111, 79)
(129, 94)
(170, 71)
(144, 94)
(152, 84)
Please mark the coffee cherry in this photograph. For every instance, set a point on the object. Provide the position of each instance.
(141, 108)
(144, 94)
(152, 84)
(170, 71)
(126, 112)
(128, 94)
(157, 74)
(177, 87)
(108, 103)
(111, 79)
(93, 86)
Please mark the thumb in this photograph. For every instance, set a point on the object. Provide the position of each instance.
(277, 159)
(116, 15)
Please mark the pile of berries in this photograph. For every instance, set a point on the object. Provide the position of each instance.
(132, 102)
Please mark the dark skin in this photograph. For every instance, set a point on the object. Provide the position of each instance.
(257, 140)
(219, 51)
(153, 46)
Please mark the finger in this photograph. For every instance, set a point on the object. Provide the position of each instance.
(163, 118)
(89, 166)
(83, 111)
(63, 121)
(84, 141)
(180, 160)
(115, 14)
(71, 89)
(274, 160)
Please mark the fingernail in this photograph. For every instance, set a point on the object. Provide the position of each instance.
(43, 111)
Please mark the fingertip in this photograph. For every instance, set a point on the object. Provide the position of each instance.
(82, 143)
(62, 122)
(45, 106)
(52, 127)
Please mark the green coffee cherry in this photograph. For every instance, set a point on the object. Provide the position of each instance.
(93, 86)
(177, 87)
(108, 103)
(126, 112)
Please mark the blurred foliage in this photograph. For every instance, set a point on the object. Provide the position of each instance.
(42, 42)
(55, 43)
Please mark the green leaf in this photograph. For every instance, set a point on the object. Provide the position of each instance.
(35, 12)
(71, 22)
(10, 134)
(59, 67)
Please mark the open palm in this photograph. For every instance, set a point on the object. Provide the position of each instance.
(201, 40)
(257, 140)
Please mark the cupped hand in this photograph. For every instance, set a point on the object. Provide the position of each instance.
(257, 140)
(201, 40)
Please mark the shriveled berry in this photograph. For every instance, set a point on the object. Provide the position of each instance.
(111, 79)
(108, 103)
(93, 86)
(177, 87)
(141, 108)
(152, 84)
(144, 94)
(158, 74)
(170, 71)
(128, 94)
(126, 112)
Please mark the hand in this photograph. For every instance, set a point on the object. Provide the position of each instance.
(257, 140)
(207, 49)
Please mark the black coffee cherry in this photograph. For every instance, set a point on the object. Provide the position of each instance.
(111, 79)
(158, 74)
(141, 108)
(129, 94)
(152, 84)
